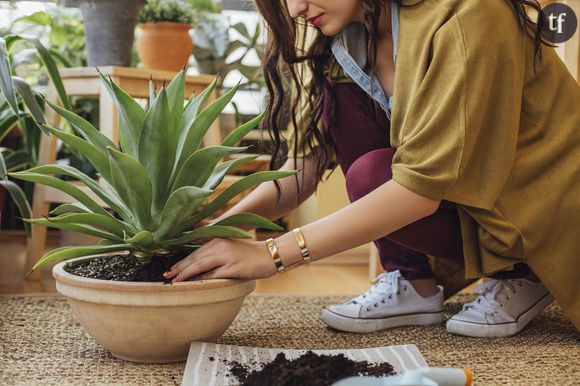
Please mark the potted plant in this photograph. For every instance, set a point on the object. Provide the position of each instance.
(110, 28)
(157, 184)
(164, 43)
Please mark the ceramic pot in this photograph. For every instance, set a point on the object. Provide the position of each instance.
(151, 322)
(110, 28)
(164, 45)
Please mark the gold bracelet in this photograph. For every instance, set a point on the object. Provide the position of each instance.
(302, 245)
(275, 255)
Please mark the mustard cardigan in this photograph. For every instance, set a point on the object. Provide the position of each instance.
(474, 124)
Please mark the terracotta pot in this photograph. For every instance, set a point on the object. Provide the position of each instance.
(151, 322)
(164, 45)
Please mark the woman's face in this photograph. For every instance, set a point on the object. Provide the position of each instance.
(330, 16)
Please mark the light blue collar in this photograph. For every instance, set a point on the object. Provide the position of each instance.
(349, 49)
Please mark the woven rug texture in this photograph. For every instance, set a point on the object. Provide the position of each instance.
(41, 343)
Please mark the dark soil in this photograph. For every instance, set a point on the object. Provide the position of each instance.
(309, 369)
(125, 268)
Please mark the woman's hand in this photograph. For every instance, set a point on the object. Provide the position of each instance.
(225, 259)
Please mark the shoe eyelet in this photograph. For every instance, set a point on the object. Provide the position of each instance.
(404, 288)
(368, 308)
(507, 297)
(390, 296)
(383, 301)
(501, 304)
(376, 305)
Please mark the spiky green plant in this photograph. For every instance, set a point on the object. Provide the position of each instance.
(157, 182)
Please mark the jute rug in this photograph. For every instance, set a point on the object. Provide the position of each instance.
(42, 344)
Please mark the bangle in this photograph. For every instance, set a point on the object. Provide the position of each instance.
(303, 250)
(275, 255)
(302, 244)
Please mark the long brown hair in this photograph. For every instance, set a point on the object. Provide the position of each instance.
(285, 50)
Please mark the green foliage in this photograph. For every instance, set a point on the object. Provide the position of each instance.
(166, 10)
(216, 53)
(158, 182)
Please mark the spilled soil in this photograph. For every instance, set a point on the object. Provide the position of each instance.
(309, 369)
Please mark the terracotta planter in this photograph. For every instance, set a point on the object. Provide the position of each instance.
(151, 322)
(164, 45)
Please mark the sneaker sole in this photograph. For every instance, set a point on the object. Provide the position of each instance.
(347, 324)
(480, 330)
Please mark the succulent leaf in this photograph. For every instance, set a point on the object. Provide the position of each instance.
(201, 125)
(200, 165)
(67, 253)
(250, 219)
(88, 131)
(157, 149)
(181, 205)
(131, 116)
(132, 183)
(235, 189)
(208, 232)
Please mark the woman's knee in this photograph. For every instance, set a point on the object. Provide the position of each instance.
(368, 172)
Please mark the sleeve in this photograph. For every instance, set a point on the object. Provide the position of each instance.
(458, 128)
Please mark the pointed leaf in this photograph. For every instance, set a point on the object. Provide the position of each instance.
(175, 92)
(89, 151)
(67, 253)
(6, 125)
(157, 149)
(98, 221)
(25, 91)
(17, 160)
(238, 134)
(87, 130)
(221, 170)
(235, 189)
(181, 205)
(131, 116)
(78, 228)
(49, 64)
(74, 207)
(20, 200)
(108, 197)
(6, 85)
(201, 164)
(142, 240)
(201, 125)
(63, 186)
(152, 92)
(250, 219)
(133, 185)
(190, 113)
(209, 232)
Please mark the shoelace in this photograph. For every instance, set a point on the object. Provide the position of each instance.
(493, 292)
(386, 285)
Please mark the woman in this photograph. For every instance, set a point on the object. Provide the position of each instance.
(474, 156)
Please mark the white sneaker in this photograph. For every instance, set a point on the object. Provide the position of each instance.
(390, 302)
(504, 308)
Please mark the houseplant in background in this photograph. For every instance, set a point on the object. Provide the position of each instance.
(164, 42)
(157, 184)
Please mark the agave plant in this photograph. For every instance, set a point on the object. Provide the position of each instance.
(157, 183)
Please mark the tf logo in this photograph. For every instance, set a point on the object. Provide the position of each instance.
(561, 23)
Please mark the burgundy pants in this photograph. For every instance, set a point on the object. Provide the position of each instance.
(360, 132)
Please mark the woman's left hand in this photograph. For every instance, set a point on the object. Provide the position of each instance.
(225, 259)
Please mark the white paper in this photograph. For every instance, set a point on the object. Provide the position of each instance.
(201, 371)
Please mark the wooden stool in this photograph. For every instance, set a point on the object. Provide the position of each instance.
(86, 82)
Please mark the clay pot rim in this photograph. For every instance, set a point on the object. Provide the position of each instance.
(165, 25)
(79, 281)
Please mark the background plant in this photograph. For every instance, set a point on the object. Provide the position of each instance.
(166, 10)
